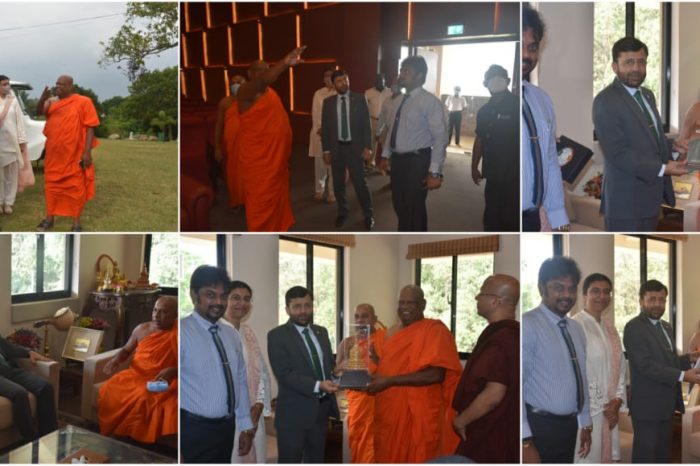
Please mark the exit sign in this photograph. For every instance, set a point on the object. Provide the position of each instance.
(455, 29)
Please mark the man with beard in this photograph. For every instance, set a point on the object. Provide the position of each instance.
(555, 388)
(656, 372)
(542, 184)
(346, 137)
(213, 382)
(638, 164)
(496, 142)
(301, 358)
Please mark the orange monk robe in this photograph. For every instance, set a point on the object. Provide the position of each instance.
(67, 186)
(361, 412)
(414, 424)
(234, 180)
(126, 408)
(264, 147)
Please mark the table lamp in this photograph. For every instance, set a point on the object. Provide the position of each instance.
(61, 320)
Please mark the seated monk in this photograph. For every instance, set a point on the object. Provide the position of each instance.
(124, 406)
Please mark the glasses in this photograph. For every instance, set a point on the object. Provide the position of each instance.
(599, 291)
(238, 299)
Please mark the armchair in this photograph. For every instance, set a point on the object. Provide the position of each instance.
(93, 378)
(49, 370)
(690, 443)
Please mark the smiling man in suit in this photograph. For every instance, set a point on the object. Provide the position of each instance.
(656, 371)
(346, 137)
(638, 165)
(302, 360)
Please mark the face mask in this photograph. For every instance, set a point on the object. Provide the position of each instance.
(497, 84)
(395, 89)
(234, 88)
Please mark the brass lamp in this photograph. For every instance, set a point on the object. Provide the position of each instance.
(61, 320)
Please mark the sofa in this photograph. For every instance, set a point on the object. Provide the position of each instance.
(50, 371)
(691, 428)
(196, 200)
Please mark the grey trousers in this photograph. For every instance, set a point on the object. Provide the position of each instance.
(9, 175)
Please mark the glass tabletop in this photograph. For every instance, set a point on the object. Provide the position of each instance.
(54, 447)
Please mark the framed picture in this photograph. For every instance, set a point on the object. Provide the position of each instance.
(573, 159)
(682, 189)
(82, 343)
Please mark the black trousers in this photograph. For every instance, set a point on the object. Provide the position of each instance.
(15, 385)
(631, 224)
(531, 220)
(349, 159)
(206, 441)
(296, 445)
(455, 122)
(408, 190)
(652, 441)
(502, 205)
(553, 436)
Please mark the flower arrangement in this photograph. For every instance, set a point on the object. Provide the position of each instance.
(594, 186)
(91, 322)
(25, 337)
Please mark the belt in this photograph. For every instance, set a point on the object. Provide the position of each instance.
(532, 211)
(208, 420)
(415, 152)
(344, 143)
(542, 412)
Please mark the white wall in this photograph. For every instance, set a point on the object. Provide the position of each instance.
(593, 254)
(688, 290)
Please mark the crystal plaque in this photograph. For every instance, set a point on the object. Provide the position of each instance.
(356, 358)
(694, 155)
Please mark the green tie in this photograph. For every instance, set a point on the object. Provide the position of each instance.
(343, 120)
(314, 355)
(663, 335)
(650, 120)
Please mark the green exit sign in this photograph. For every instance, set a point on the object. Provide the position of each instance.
(455, 29)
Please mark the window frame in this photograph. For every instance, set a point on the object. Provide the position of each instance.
(148, 243)
(340, 277)
(41, 295)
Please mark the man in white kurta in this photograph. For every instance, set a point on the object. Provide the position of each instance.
(605, 370)
(13, 143)
(322, 172)
(375, 100)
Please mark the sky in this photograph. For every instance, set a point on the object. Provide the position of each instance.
(38, 55)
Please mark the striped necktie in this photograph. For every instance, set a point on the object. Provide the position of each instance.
(650, 119)
(536, 153)
(314, 355)
(574, 362)
(230, 392)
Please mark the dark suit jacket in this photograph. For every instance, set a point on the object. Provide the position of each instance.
(655, 392)
(632, 187)
(297, 404)
(360, 127)
(12, 351)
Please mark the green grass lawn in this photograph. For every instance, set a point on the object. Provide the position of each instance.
(136, 190)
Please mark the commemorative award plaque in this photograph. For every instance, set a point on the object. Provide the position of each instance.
(356, 358)
(694, 155)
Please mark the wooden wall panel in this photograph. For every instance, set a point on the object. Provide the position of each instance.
(244, 37)
(221, 14)
(252, 10)
(195, 49)
(278, 8)
(193, 85)
(196, 16)
(431, 19)
(215, 79)
(217, 46)
(319, 32)
(308, 77)
(279, 37)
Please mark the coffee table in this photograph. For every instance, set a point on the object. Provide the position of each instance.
(53, 447)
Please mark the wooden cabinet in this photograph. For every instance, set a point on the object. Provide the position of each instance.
(123, 312)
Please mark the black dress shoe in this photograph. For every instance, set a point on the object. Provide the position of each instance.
(340, 221)
(369, 223)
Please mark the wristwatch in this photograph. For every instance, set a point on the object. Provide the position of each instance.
(436, 175)
(566, 227)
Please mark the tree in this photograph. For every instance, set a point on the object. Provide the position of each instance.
(164, 122)
(152, 92)
(130, 46)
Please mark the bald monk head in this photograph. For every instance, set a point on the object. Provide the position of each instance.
(365, 315)
(257, 68)
(411, 305)
(498, 298)
(64, 86)
(165, 312)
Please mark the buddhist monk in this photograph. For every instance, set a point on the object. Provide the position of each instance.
(414, 384)
(69, 175)
(361, 404)
(125, 407)
(264, 147)
(487, 399)
(227, 126)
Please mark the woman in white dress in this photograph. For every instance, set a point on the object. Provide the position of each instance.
(239, 305)
(13, 146)
(605, 371)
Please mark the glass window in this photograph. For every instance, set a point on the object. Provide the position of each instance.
(41, 266)
(195, 250)
(162, 259)
(627, 280)
(534, 250)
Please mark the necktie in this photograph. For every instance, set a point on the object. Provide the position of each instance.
(574, 362)
(395, 127)
(343, 119)
(650, 119)
(663, 335)
(314, 355)
(231, 399)
(536, 153)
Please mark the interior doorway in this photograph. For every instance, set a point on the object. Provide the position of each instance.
(464, 65)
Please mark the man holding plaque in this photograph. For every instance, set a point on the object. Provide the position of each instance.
(414, 384)
(638, 161)
(361, 404)
(302, 360)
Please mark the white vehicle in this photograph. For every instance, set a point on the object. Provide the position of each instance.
(34, 128)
